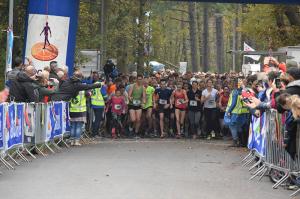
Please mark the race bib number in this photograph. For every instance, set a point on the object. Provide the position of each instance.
(180, 101)
(118, 107)
(163, 102)
(211, 102)
(136, 102)
(193, 103)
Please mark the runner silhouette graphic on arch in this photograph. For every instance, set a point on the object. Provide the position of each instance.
(46, 30)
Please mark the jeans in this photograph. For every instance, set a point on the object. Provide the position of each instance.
(238, 123)
(194, 118)
(76, 130)
(98, 112)
(235, 129)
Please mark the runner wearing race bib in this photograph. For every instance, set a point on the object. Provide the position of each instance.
(162, 104)
(137, 98)
(147, 108)
(180, 98)
(209, 97)
(118, 107)
(194, 107)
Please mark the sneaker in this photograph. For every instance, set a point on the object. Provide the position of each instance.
(213, 134)
(208, 137)
(194, 136)
(234, 144)
(77, 143)
(137, 137)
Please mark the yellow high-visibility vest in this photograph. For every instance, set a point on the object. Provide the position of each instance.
(240, 107)
(97, 98)
(78, 104)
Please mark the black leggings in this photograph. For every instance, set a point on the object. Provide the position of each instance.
(211, 120)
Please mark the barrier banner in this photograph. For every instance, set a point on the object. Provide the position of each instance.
(1, 126)
(49, 121)
(29, 126)
(257, 134)
(14, 125)
(56, 118)
(40, 125)
(65, 119)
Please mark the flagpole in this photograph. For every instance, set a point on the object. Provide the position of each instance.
(10, 27)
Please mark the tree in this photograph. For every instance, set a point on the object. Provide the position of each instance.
(193, 37)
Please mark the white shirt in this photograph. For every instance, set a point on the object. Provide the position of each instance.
(210, 102)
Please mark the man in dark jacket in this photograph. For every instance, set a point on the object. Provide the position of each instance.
(22, 88)
(108, 69)
(70, 88)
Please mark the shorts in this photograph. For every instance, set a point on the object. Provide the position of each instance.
(145, 109)
(181, 109)
(221, 115)
(132, 107)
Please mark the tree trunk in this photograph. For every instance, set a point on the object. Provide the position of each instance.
(199, 33)
(205, 50)
(292, 13)
(193, 38)
(220, 43)
(141, 38)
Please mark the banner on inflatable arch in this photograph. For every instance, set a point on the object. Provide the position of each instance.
(51, 28)
(14, 125)
(257, 134)
(1, 126)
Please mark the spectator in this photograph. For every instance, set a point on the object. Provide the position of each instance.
(237, 113)
(23, 89)
(45, 87)
(293, 76)
(77, 116)
(108, 69)
(53, 70)
(70, 88)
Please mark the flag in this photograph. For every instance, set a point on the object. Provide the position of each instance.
(10, 36)
(248, 48)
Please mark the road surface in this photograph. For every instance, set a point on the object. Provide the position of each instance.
(145, 169)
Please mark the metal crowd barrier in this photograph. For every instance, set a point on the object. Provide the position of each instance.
(267, 151)
(28, 127)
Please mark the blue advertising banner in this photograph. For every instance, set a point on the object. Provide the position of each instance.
(51, 27)
(56, 116)
(66, 119)
(14, 125)
(10, 35)
(1, 126)
(257, 134)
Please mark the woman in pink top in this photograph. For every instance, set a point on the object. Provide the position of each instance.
(118, 107)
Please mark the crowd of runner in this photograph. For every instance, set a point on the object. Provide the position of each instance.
(163, 104)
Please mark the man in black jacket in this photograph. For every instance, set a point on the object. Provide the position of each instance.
(22, 88)
(108, 69)
(70, 88)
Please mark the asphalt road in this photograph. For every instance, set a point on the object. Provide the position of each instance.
(159, 169)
